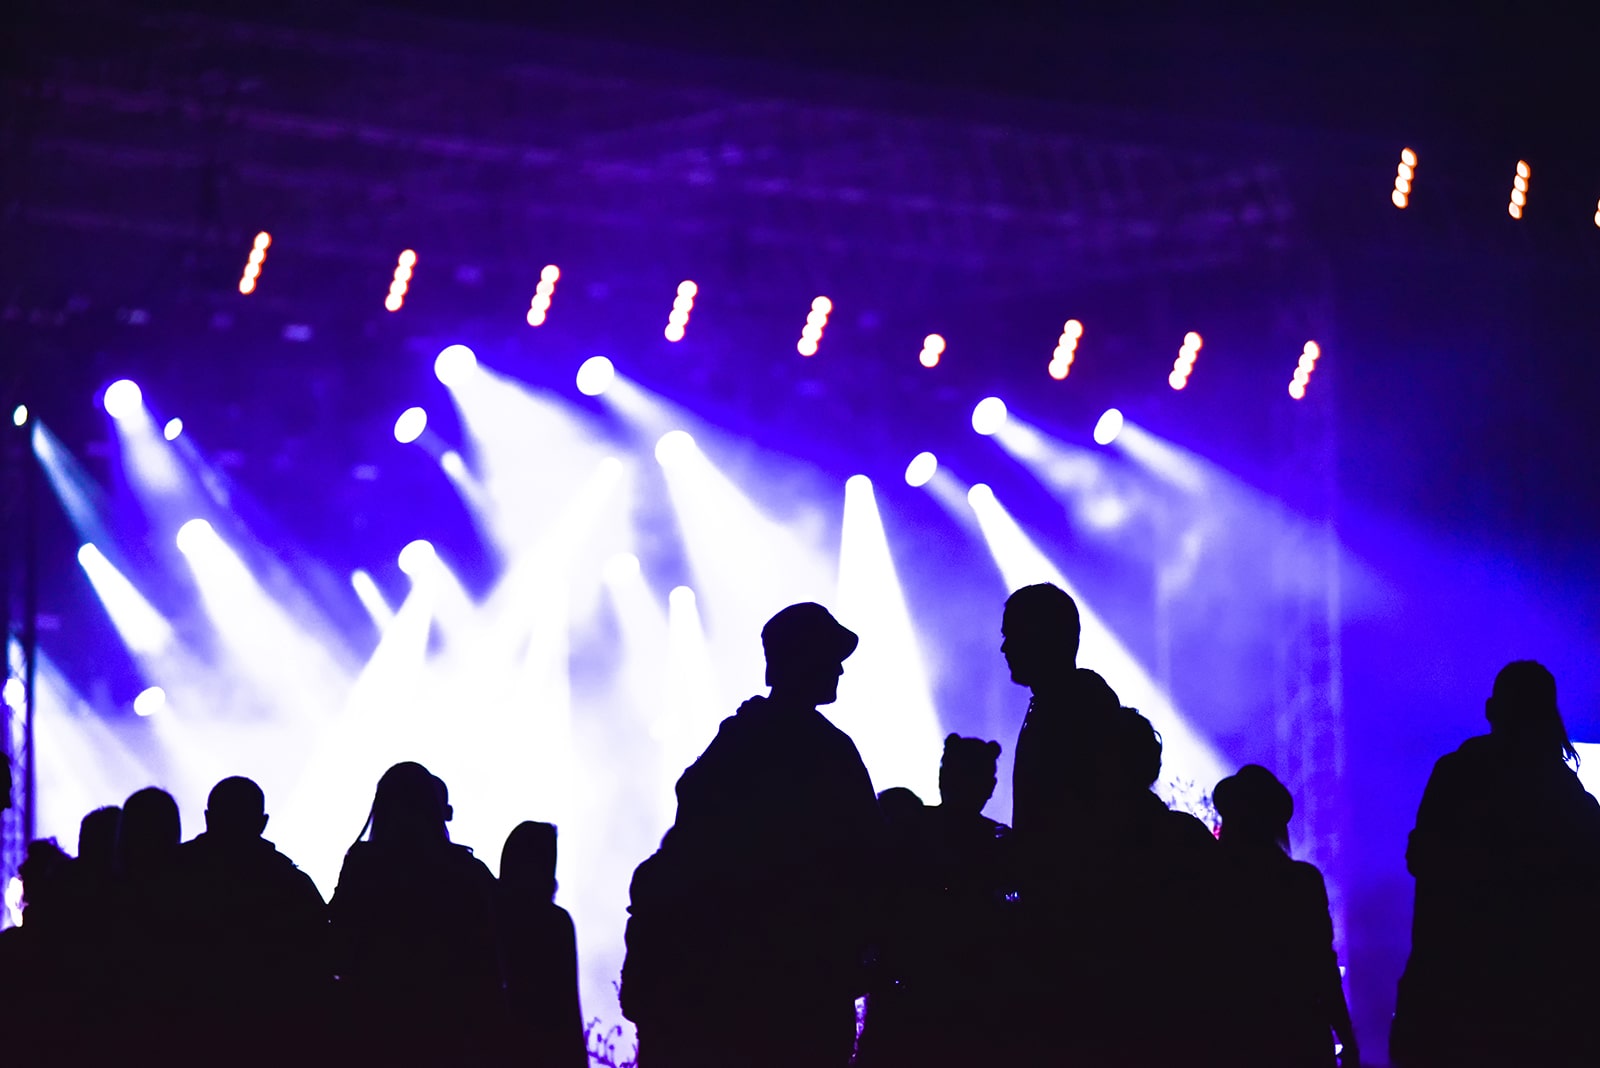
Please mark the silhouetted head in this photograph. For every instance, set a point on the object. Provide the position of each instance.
(900, 806)
(806, 649)
(1040, 632)
(1522, 708)
(97, 837)
(1255, 807)
(236, 810)
(528, 860)
(1130, 760)
(149, 832)
(967, 773)
(409, 808)
(40, 870)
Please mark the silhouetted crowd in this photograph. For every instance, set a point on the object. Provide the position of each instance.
(787, 892)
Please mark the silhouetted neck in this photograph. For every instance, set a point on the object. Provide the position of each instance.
(1057, 690)
(783, 701)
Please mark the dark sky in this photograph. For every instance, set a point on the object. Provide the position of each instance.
(1493, 76)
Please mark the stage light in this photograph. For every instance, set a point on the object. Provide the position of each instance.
(417, 557)
(989, 416)
(19, 415)
(141, 627)
(410, 425)
(1066, 349)
(1596, 222)
(453, 465)
(673, 447)
(401, 282)
(885, 701)
(543, 293)
(371, 598)
(252, 267)
(1519, 189)
(173, 428)
(595, 376)
(1302, 372)
(150, 701)
(816, 322)
(123, 398)
(932, 349)
(1108, 427)
(921, 469)
(682, 305)
(620, 568)
(14, 693)
(193, 535)
(454, 365)
(1183, 366)
(1405, 174)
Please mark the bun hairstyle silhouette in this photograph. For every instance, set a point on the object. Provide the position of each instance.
(967, 772)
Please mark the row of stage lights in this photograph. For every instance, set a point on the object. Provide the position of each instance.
(933, 346)
(1404, 183)
(1406, 175)
(456, 362)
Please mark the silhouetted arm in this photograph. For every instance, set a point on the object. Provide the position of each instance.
(1336, 1010)
(575, 1054)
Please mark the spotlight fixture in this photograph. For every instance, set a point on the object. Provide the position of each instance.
(410, 425)
(595, 376)
(1302, 372)
(123, 398)
(932, 349)
(989, 416)
(416, 557)
(173, 428)
(673, 447)
(401, 281)
(1183, 366)
(921, 469)
(454, 365)
(1519, 189)
(816, 320)
(1066, 349)
(1108, 427)
(1405, 174)
(539, 307)
(150, 701)
(252, 266)
(192, 534)
(620, 568)
(682, 305)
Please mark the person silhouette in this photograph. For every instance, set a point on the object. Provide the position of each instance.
(97, 839)
(749, 926)
(34, 974)
(893, 1028)
(1279, 992)
(256, 936)
(412, 920)
(148, 976)
(1138, 891)
(539, 953)
(1040, 634)
(1506, 858)
(951, 983)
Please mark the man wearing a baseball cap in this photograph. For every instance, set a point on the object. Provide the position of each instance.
(748, 926)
